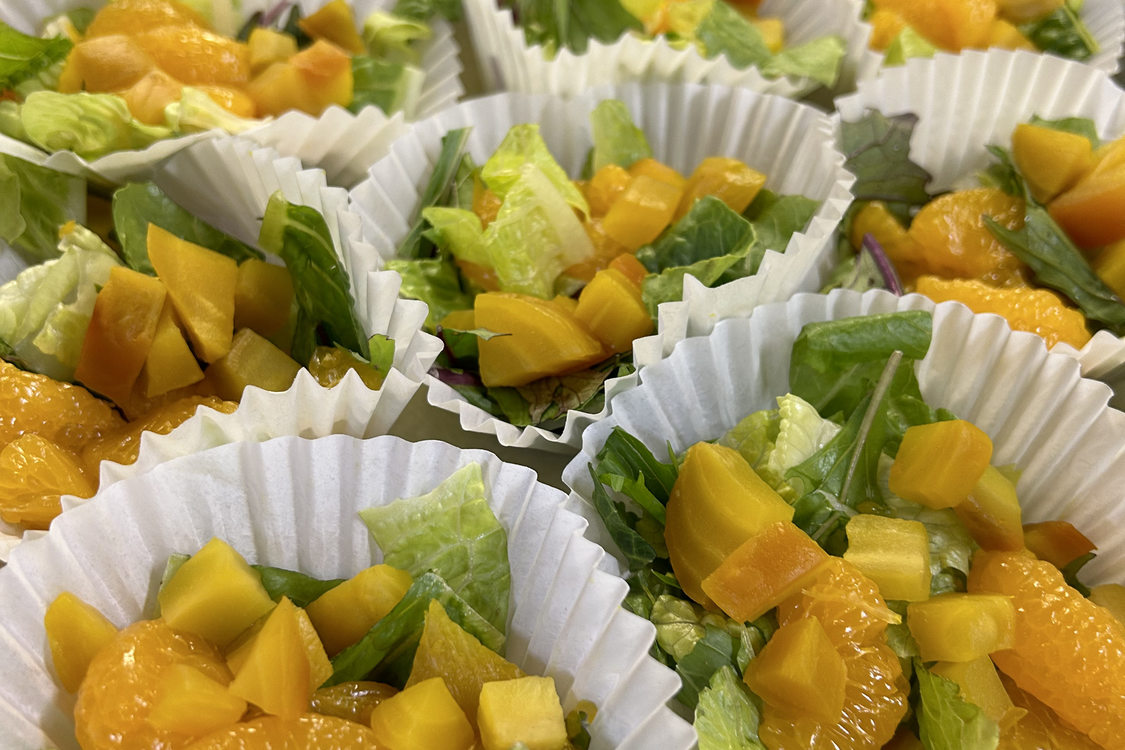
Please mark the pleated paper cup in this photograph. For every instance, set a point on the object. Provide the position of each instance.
(340, 142)
(293, 503)
(508, 62)
(790, 143)
(1042, 416)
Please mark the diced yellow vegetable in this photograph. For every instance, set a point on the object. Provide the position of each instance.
(525, 710)
(885, 26)
(961, 627)
(422, 717)
(215, 594)
(76, 631)
(336, 23)
(612, 308)
(274, 675)
(641, 212)
(938, 464)
(148, 97)
(1051, 160)
(730, 180)
(268, 46)
(716, 504)
(1112, 597)
(1110, 267)
(981, 686)
(992, 514)
(263, 293)
(170, 363)
(630, 267)
(1022, 11)
(1092, 213)
(657, 170)
(1057, 542)
(252, 360)
(279, 88)
(191, 703)
(320, 668)
(344, 614)
(766, 569)
(604, 188)
(800, 672)
(327, 74)
(893, 552)
(1006, 36)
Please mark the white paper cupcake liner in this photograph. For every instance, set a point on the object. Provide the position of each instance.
(507, 62)
(293, 503)
(1042, 416)
(684, 123)
(341, 143)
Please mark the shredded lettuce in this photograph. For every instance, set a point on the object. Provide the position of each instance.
(908, 43)
(25, 57)
(571, 24)
(523, 146)
(776, 218)
(435, 282)
(90, 125)
(617, 139)
(38, 201)
(390, 37)
(726, 716)
(196, 111)
(389, 85)
(453, 532)
(946, 721)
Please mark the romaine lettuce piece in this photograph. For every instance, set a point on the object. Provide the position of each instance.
(946, 721)
(38, 201)
(754, 436)
(423, 10)
(453, 532)
(776, 218)
(390, 36)
(90, 125)
(726, 717)
(572, 24)
(617, 139)
(818, 59)
(801, 433)
(523, 146)
(908, 43)
(44, 312)
(391, 86)
(196, 111)
(436, 282)
(711, 229)
(459, 231)
(25, 57)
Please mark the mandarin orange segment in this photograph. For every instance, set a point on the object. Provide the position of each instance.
(134, 16)
(1038, 728)
(1068, 652)
(65, 414)
(951, 24)
(1039, 311)
(122, 680)
(34, 474)
(846, 602)
(194, 55)
(306, 731)
(956, 243)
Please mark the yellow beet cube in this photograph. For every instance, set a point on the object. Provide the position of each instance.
(642, 212)
(320, 668)
(981, 686)
(1007, 36)
(170, 363)
(765, 570)
(422, 717)
(215, 594)
(268, 46)
(716, 504)
(336, 23)
(657, 170)
(612, 308)
(525, 710)
(606, 185)
(992, 513)
(344, 614)
(252, 360)
(262, 296)
(961, 627)
(1051, 160)
(938, 464)
(729, 180)
(76, 631)
(191, 703)
(800, 672)
(1110, 267)
(893, 552)
(274, 675)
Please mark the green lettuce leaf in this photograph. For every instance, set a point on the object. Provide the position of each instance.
(709, 230)
(617, 139)
(24, 57)
(715, 650)
(38, 201)
(434, 281)
(196, 111)
(622, 525)
(300, 236)
(391, 642)
(423, 10)
(948, 722)
(90, 125)
(776, 218)
(301, 589)
(391, 37)
(1082, 126)
(139, 204)
(908, 43)
(390, 86)
(440, 188)
(556, 24)
(726, 716)
(454, 533)
(626, 465)
(724, 31)
(818, 59)
(523, 145)
(44, 312)
(801, 432)
(878, 154)
(1062, 33)
(668, 285)
(459, 231)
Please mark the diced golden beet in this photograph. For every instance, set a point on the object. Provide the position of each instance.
(893, 552)
(1051, 160)
(120, 333)
(1108, 595)
(194, 55)
(268, 46)
(448, 651)
(1022, 11)
(274, 676)
(961, 627)
(612, 308)
(992, 512)
(278, 89)
(1092, 213)
(716, 504)
(320, 668)
(1057, 542)
(641, 212)
(191, 703)
(1110, 267)
(170, 363)
(331, 364)
(327, 74)
(951, 24)
(567, 304)
(900, 247)
(263, 293)
(344, 614)
(252, 360)
(772, 31)
(148, 97)
(1108, 156)
(233, 99)
(542, 339)
(657, 170)
(336, 23)
(981, 686)
(353, 701)
(76, 631)
(885, 26)
(524, 710)
(938, 464)
(1006, 36)
(422, 717)
(604, 188)
(201, 284)
(460, 320)
(132, 16)
(110, 63)
(729, 180)
(800, 672)
(215, 594)
(766, 569)
(630, 267)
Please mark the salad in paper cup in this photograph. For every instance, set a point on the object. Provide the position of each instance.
(541, 272)
(114, 88)
(373, 613)
(844, 511)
